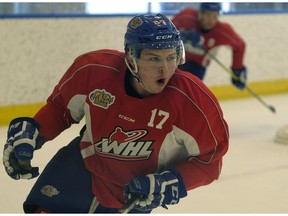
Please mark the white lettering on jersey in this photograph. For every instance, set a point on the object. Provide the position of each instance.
(126, 118)
(160, 113)
(123, 145)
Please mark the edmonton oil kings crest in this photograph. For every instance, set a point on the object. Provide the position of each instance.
(124, 145)
(101, 98)
(136, 22)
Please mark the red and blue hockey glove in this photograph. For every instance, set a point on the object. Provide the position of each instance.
(22, 139)
(159, 189)
(240, 81)
(193, 42)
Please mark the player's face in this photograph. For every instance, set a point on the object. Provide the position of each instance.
(208, 19)
(156, 67)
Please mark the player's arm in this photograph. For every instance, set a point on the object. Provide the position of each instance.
(209, 144)
(65, 106)
(238, 48)
(26, 134)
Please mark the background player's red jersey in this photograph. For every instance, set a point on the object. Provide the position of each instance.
(182, 127)
(220, 34)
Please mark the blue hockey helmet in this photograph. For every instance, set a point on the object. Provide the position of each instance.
(210, 6)
(152, 31)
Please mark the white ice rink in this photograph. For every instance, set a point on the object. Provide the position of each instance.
(255, 170)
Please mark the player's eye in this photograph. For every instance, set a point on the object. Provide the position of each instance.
(172, 58)
(154, 59)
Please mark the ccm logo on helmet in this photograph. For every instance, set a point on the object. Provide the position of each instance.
(163, 37)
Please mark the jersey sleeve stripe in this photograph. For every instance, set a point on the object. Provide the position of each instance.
(201, 111)
(213, 101)
(210, 129)
(87, 65)
(229, 37)
(100, 52)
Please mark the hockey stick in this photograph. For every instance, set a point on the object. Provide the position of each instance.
(270, 107)
(126, 208)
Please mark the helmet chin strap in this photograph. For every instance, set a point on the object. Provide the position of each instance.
(135, 72)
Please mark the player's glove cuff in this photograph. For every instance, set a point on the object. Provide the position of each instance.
(25, 129)
(182, 192)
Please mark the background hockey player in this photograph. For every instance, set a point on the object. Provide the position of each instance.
(151, 129)
(202, 32)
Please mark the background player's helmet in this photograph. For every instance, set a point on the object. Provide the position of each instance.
(210, 6)
(152, 32)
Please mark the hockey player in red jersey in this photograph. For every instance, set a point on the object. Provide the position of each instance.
(151, 130)
(202, 32)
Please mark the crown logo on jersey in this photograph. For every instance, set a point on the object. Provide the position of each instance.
(101, 98)
(124, 145)
(136, 22)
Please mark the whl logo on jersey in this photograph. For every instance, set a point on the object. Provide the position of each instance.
(124, 145)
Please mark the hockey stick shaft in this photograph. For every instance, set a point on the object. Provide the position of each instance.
(126, 208)
(270, 107)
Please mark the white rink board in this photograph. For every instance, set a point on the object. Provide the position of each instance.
(255, 170)
(35, 53)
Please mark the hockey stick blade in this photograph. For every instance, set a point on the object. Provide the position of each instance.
(126, 208)
(270, 107)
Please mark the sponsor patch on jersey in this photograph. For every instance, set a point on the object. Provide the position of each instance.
(101, 98)
(136, 22)
(49, 190)
(125, 145)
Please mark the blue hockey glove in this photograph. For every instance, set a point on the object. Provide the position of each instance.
(155, 190)
(22, 139)
(193, 42)
(191, 36)
(241, 80)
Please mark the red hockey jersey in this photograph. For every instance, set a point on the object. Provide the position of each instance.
(220, 34)
(182, 127)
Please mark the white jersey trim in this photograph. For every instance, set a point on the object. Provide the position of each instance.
(88, 122)
(177, 147)
(87, 152)
(76, 107)
(87, 137)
